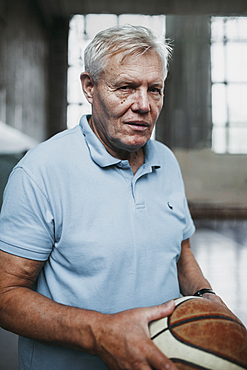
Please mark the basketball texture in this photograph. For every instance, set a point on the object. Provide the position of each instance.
(201, 334)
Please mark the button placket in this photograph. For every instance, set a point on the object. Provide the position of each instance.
(137, 196)
(124, 169)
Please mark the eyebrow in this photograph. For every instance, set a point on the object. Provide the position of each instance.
(134, 82)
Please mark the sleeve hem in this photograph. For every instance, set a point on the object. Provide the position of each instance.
(189, 232)
(22, 252)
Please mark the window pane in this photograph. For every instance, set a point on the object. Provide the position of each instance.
(135, 19)
(97, 22)
(74, 113)
(217, 29)
(156, 23)
(229, 108)
(219, 108)
(236, 54)
(232, 29)
(236, 28)
(77, 22)
(219, 139)
(217, 62)
(237, 140)
(76, 40)
(237, 96)
(74, 94)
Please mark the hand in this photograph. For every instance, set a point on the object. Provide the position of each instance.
(122, 340)
(215, 298)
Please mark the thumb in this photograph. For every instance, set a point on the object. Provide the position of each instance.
(160, 311)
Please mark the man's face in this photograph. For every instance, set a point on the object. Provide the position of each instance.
(126, 102)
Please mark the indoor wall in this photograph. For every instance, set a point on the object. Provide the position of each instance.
(24, 54)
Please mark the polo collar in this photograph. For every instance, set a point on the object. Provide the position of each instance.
(104, 159)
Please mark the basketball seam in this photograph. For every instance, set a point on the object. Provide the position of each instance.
(202, 317)
(201, 348)
(185, 321)
(195, 366)
(163, 330)
(160, 332)
(189, 299)
(171, 326)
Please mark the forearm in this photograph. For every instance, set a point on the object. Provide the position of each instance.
(35, 316)
(121, 340)
(32, 315)
(190, 276)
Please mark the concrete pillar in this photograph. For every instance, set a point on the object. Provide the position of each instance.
(58, 76)
(2, 62)
(185, 121)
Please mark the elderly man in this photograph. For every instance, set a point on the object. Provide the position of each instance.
(95, 227)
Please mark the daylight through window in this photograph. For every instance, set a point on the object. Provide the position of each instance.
(229, 84)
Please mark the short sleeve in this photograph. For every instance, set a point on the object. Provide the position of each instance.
(26, 220)
(189, 227)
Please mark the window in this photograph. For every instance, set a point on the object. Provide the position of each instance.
(82, 30)
(229, 84)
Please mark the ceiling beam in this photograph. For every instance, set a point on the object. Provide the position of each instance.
(65, 8)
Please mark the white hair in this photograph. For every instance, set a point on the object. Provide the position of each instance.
(134, 40)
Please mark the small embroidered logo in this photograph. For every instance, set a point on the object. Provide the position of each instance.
(169, 205)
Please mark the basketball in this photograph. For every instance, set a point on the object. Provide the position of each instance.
(201, 334)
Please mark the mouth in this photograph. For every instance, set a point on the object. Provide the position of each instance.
(138, 125)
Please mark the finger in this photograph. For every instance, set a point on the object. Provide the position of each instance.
(158, 361)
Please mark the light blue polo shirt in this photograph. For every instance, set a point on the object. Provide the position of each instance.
(110, 239)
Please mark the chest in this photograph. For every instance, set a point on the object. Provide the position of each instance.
(113, 214)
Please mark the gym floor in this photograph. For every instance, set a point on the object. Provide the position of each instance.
(220, 247)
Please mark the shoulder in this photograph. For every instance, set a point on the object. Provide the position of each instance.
(165, 154)
(169, 166)
(59, 151)
(162, 147)
(56, 147)
(53, 160)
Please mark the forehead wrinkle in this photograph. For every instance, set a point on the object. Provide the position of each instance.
(129, 70)
(133, 75)
(134, 80)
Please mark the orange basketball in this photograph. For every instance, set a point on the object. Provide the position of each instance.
(201, 334)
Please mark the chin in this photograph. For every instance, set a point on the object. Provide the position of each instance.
(135, 146)
(132, 143)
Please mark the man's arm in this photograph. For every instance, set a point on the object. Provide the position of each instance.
(121, 340)
(190, 276)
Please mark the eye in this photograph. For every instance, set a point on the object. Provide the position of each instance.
(125, 88)
(156, 91)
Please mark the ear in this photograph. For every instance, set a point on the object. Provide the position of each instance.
(87, 84)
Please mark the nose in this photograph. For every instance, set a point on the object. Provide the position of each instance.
(141, 102)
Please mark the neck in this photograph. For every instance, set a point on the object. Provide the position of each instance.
(136, 159)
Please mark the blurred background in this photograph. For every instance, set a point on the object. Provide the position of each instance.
(204, 119)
